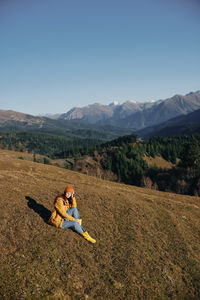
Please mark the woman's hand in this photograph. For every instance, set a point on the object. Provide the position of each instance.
(79, 221)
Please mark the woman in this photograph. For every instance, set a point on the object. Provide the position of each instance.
(65, 213)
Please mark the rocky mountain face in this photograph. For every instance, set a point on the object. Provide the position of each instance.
(105, 114)
(166, 110)
(136, 115)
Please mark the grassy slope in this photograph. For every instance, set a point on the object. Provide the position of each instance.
(147, 241)
(158, 162)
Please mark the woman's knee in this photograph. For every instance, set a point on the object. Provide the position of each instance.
(77, 227)
(76, 213)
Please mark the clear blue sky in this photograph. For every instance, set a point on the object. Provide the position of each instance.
(57, 54)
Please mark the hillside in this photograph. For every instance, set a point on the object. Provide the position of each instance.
(147, 241)
(19, 122)
(183, 125)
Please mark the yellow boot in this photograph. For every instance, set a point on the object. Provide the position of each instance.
(88, 237)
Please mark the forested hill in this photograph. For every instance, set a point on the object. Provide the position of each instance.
(51, 145)
(136, 162)
(126, 159)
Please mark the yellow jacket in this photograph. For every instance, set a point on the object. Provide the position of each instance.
(59, 213)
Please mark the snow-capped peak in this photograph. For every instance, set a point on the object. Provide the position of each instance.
(114, 103)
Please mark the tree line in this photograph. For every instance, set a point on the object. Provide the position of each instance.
(53, 146)
(123, 156)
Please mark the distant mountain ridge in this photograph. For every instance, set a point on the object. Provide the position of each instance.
(170, 108)
(181, 125)
(136, 115)
(111, 120)
(11, 120)
(106, 114)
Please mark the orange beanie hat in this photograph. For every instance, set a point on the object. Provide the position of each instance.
(69, 189)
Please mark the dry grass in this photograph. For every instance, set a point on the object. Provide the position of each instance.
(147, 241)
(158, 162)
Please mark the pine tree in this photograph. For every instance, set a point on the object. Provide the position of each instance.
(190, 156)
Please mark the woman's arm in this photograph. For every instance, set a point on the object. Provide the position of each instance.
(61, 209)
(74, 204)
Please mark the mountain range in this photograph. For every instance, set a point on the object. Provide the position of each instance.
(106, 114)
(172, 116)
(135, 115)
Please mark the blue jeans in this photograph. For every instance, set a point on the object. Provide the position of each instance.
(74, 225)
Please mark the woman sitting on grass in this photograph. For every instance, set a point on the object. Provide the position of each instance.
(65, 213)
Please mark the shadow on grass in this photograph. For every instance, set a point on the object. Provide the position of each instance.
(42, 211)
